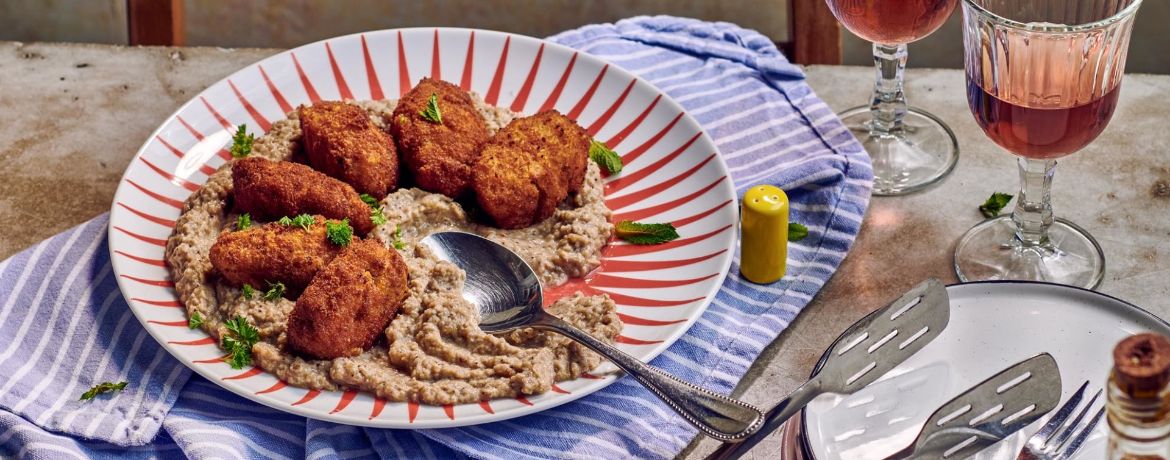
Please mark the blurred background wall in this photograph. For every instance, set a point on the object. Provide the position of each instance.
(288, 23)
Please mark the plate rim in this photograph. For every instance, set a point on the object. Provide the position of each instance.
(804, 445)
(475, 419)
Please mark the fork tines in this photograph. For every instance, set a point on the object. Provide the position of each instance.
(1060, 437)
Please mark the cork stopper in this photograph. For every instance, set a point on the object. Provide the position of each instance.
(1141, 365)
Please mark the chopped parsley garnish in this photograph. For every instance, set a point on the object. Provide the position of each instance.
(639, 233)
(994, 204)
(339, 233)
(242, 142)
(796, 232)
(194, 320)
(303, 221)
(431, 112)
(376, 214)
(398, 243)
(275, 291)
(249, 291)
(238, 341)
(243, 221)
(605, 157)
(102, 388)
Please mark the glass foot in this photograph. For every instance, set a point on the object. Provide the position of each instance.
(990, 251)
(922, 155)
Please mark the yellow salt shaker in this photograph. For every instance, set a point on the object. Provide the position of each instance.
(764, 234)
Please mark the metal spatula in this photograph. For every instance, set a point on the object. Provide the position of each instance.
(863, 353)
(989, 412)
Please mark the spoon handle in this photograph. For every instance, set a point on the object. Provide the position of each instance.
(717, 416)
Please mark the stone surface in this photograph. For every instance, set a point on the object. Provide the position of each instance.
(1116, 188)
(74, 115)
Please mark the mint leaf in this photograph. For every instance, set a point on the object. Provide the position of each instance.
(431, 112)
(640, 233)
(604, 157)
(994, 204)
(796, 232)
(101, 388)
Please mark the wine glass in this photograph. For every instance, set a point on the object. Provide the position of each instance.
(910, 148)
(1043, 78)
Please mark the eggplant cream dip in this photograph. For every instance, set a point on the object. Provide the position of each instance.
(433, 351)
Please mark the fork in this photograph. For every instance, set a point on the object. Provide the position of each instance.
(1058, 440)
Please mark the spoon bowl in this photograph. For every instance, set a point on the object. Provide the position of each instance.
(499, 283)
(508, 295)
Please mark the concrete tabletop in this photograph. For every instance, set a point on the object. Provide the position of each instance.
(72, 116)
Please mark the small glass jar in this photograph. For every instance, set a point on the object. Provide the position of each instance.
(1138, 414)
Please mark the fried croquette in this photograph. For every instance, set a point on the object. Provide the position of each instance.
(269, 190)
(349, 303)
(342, 142)
(439, 155)
(273, 253)
(529, 167)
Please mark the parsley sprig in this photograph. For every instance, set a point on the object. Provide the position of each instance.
(303, 221)
(102, 388)
(194, 320)
(339, 233)
(398, 243)
(243, 221)
(242, 142)
(275, 291)
(376, 214)
(605, 157)
(238, 341)
(796, 232)
(641, 233)
(994, 204)
(431, 112)
(248, 291)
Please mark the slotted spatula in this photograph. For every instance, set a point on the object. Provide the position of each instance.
(989, 411)
(863, 353)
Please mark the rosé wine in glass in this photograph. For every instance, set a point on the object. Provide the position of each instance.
(1043, 79)
(910, 149)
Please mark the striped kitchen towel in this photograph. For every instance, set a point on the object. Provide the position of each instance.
(63, 325)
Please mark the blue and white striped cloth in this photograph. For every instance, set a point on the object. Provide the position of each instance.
(64, 326)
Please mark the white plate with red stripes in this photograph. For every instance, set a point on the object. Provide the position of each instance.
(672, 174)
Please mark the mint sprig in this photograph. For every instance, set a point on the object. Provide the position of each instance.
(643, 233)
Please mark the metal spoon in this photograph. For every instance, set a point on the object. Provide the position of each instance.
(508, 295)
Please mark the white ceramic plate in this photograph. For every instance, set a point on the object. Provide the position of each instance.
(993, 325)
(672, 174)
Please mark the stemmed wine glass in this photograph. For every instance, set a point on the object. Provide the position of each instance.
(1043, 78)
(910, 148)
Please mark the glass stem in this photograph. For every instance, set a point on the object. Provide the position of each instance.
(1033, 213)
(889, 102)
